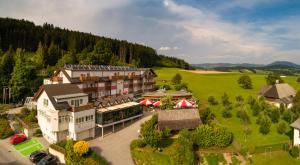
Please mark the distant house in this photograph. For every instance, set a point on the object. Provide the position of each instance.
(279, 94)
(296, 126)
(178, 119)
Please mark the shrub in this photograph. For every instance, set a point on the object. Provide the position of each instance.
(255, 109)
(166, 102)
(212, 101)
(239, 99)
(166, 87)
(138, 143)
(245, 82)
(38, 133)
(58, 148)
(226, 114)
(5, 130)
(274, 115)
(81, 147)
(181, 86)
(150, 134)
(177, 79)
(182, 153)
(98, 158)
(294, 151)
(243, 116)
(25, 111)
(288, 116)
(282, 127)
(225, 100)
(207, 116)
(166, 133)
(272, 79)
(208, 136)
(91, 161)
(265, 125)
(251, 100)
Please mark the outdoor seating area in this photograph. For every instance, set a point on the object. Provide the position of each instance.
(182, 103)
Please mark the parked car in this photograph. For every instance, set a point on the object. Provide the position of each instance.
(48, 160)
(36, 156)
(17, 138)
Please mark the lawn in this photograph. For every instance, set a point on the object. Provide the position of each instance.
(274, 158)
(29, 146)
(215, 85)
(149, 156)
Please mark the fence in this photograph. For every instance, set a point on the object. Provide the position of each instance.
(273, 147)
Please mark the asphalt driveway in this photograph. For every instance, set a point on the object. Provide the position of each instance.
(116, 147)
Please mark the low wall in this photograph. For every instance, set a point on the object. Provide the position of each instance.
(29, 131)
(59, 155)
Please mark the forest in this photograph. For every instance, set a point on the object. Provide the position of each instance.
(29, 53)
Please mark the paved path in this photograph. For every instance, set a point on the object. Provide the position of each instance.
(9, 156)
(116, 147)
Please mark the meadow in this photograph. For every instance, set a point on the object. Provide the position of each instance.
(205, 85)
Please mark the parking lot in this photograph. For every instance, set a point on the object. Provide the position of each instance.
(29, 146)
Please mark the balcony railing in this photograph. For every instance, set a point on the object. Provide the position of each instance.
(82, 108)
(89, 78)
(90, 89)
(134, 76)
(149, 83)
(57, 79)
(116, 77)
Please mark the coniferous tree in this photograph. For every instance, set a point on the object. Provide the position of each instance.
(19, 77)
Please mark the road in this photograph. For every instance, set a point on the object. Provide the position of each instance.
(116, 147)
(9, 156)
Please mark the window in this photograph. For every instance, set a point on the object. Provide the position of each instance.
(81, 101)
(45, 102)
(59, 119)
(72, 102)
(76, 103)
(92, 117)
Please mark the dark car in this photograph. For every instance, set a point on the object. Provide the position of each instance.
(36, 156)
(48, 160)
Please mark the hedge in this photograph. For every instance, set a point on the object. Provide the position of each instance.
(58, 148)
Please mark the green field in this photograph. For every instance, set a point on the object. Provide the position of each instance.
(29, 146)
(215, 85)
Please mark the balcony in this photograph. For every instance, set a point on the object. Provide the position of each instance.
(149, 83)
(90, 89)
(82, 108)
(131, 76)
(89, 78)
(116, 77)
(57, 79)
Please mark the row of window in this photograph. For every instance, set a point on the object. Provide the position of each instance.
(84, 119)
(43, 114)
(77, 102)
(62, 119)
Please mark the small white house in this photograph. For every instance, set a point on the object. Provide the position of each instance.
(63, 112)
(296, 126)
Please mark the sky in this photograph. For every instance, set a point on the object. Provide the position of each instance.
(198, 31)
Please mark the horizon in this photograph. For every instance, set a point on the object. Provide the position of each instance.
(256, 32)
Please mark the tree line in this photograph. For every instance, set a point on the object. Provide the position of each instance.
(29, 52)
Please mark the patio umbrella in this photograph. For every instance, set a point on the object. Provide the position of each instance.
(183, 103)
(146, 102)
(157, 104)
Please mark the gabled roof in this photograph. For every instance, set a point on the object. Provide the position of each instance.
(296, 124)
(178, 119)
(278, 91)
(53, 90)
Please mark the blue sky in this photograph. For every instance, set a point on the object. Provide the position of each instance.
(199, 31)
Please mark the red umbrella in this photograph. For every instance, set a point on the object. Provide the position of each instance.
(183, 103)
(146, 102)
(157, 104)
